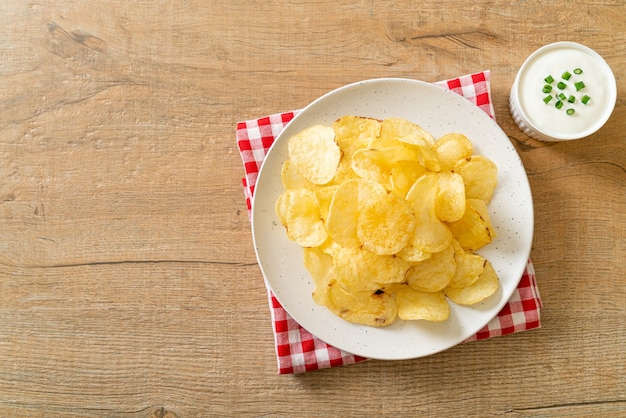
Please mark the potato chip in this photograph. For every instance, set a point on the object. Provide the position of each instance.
(390, 156)
(393, 288)
(344, 172)
(431, 235)
(398, 129)
(450, 199)
(486, 285)
(324, 197)
(469, 267)
(299, 212)
(474, 230)
(282, 206)
(434, 273)
(480, 176)
(451, 148)
(414, 305)
(345, 207)
(386, 225)
(315, 154)
(413, 254)
(353, 133)
(357, 269)
(403, 175)
(429, 159)
(376, 309)
(370, 169)
(320, 267)
(378, 164)
(291, 178)
(415, 149)
(329, 247)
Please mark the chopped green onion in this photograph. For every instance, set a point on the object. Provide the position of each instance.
(561, 96)
(579, 85)
(547, 99)
(571, 99)
(561, 85)
(547, 88)
(566, 75)
(585, 99)
(578, 71)
(558, 104)
(570, 111)
(549, 79)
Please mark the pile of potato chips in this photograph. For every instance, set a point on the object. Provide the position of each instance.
(389, 218)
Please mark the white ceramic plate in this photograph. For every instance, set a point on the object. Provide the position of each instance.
(439, 111)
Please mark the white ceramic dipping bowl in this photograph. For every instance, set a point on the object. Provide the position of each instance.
(576, 103)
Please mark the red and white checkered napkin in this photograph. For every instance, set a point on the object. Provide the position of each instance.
(297, 349)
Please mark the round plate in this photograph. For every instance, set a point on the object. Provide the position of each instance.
(439, 111)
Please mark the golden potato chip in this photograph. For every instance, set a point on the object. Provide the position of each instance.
(299, 212)
(401, 129)
(318, 264)
(474, 230)
(413, 149)
(378, 164)
(450, 199)
(345, 207)
(434, 273)
(390, 156)
(431, 235)
(320, 267)
(291, 178)
(282, 205)
(403, 175)
(413, 254)
(329, 246)
(451, 148)
(344, 172)
(355, 132)
(415, 305)
(324, 197)
(469, 267)
(393, 288)
(370, 169)
(386, 225)
(376, 309)
(429, 159)
(486, 285)
(315, 154)
(480, 176)
(357, 269)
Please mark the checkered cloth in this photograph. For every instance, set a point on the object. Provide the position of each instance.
(298, 350)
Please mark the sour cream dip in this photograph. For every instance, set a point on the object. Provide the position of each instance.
(563, 91)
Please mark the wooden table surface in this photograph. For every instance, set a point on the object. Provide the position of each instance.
(128, 280)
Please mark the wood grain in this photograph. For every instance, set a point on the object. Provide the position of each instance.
(128, 281)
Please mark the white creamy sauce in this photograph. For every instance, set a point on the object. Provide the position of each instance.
(556, 121)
